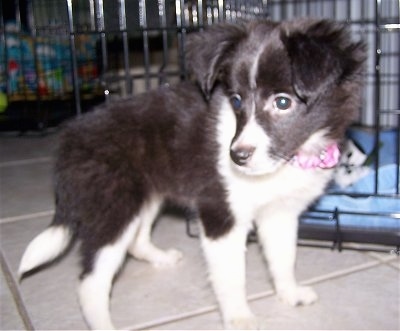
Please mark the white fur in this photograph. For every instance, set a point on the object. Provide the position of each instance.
(274, 201)
(94, 290)
(254, 136)
(247, 193)
(44, 248)
(226, 265)
(142, 248)
(277, 232)
(254, 67)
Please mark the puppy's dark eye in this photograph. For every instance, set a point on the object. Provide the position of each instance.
(282, 103)
(236, 101)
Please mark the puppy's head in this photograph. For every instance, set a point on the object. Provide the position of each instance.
(293, 86)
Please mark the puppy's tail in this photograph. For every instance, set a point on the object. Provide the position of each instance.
(45, 247)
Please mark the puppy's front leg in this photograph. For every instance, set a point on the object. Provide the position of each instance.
(277, 232)
(226, 263)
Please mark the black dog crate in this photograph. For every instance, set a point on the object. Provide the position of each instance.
(69, 54)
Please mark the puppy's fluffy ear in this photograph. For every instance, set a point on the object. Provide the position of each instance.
(208, 53)
(321, 53)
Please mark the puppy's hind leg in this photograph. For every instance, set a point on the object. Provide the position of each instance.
(142, 248)
(95, 287)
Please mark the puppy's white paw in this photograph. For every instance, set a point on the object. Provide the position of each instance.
(167, 259)
(299, 295)
(250, 322)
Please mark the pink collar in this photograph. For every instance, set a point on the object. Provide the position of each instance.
(328, 158)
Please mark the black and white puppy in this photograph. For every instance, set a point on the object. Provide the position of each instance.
(252, 143)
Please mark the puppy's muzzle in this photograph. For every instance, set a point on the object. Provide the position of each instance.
(241, 155)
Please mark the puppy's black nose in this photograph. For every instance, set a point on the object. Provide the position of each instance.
(241, 155)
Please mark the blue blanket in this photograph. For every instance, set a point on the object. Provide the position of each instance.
(373, 211)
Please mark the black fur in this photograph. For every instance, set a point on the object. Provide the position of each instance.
(216, 144)
(113, 159)
(315, 60)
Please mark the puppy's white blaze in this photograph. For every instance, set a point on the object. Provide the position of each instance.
(44, 248)
(251, 135)
(254, 68)
(254, 135)
(94, 289)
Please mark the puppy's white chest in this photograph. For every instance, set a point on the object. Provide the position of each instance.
(248, 195)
